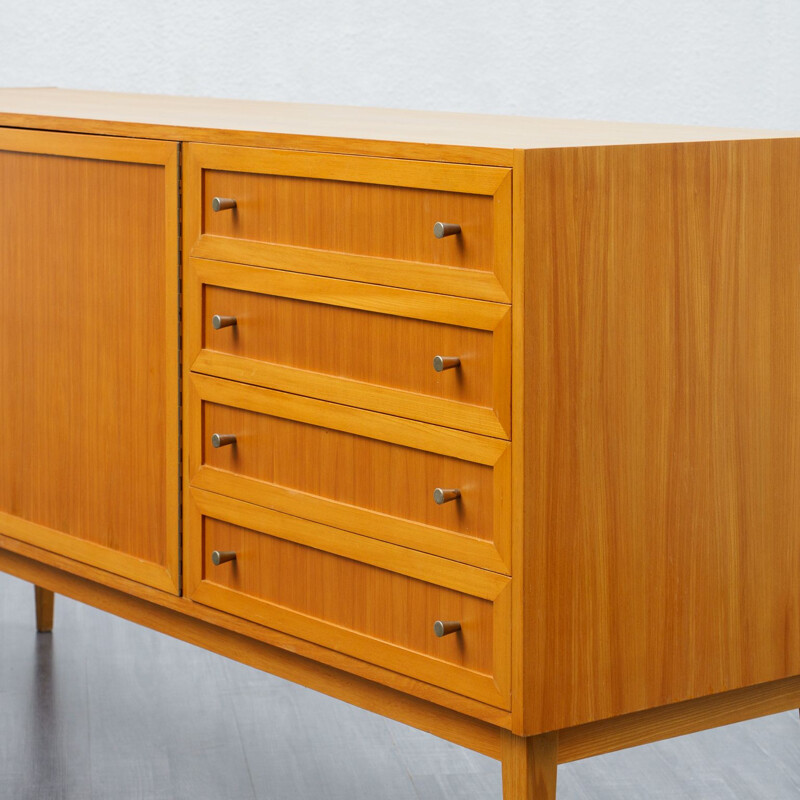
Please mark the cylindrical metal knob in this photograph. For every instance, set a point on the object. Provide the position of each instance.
(222, 439)
(441, 496)
(221, 203)
(442, 229)
(446, 628)
(218, 322)
(222, 557)
(441, 363)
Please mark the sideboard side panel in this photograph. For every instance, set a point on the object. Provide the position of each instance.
(662, 425)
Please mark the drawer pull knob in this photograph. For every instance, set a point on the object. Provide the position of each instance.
(442, 496)
(222, 439)
(218, 322)
(222, 203)
(223, 557)
(445, 628)
(441, 363)
(442, 229)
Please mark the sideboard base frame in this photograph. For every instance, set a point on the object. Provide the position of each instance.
(529, 762)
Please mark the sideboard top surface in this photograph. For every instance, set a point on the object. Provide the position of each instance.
(352, 129)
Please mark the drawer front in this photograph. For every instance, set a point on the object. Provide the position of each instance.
(367, 346)
(353, 469)
(370, 600)
(369, 219)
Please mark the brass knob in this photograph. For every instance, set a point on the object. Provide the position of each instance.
(441, 496)
(218, 322)
(442, 229)
(222, 557)
(222, 203)
(222, 439)
(445, 628)
(441, 363)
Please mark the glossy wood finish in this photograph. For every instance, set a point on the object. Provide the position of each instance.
(89, 325)
(359, 218)
(351, 343)
(370, 599)
(45, 603)
(352, 469)
(663, 441)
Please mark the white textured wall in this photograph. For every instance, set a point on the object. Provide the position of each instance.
(723, 62)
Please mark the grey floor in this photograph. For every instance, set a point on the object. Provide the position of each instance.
(106, 710)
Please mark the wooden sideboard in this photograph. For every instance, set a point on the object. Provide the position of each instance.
(490, 425)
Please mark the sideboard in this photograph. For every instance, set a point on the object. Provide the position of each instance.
(490, 425)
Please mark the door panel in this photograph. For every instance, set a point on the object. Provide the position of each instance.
(89, 350)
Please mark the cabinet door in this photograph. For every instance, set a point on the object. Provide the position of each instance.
(89, 462)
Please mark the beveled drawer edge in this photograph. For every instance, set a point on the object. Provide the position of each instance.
(493, 689)
(452, 442)
(438, 176)
(375, 298)
(445, 280)
(344, 391)
(439, 542)
(431, 175)
(447, 573)
(492, 554)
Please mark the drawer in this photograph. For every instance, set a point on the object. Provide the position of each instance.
(367, 219)
(369, 473)
(356, 344)
(371, 600)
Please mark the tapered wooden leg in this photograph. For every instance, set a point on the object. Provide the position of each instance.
(530, 766)
(44, 609)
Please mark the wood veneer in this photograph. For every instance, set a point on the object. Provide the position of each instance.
(632, 307)
(352, 469)
(88, 318)
(356, 344)
(663, 442)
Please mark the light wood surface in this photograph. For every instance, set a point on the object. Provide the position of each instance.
(365, 218)
(351, 343)
(370, 599)
(529, 766)
(45, 602)
(88, 318)
(623, 560)
(663, 439)
(690, 716)
(12, 550)
(154, 738)
(220, 633)
(352, 469)
(487, 139)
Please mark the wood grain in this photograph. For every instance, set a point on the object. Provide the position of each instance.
(352, 469)
(381, 356)
(88, 322)
(690, 716)
(663, 441)
(13, 551)
(222, 634)
(372, 600)
(530, 766)
(438, 136)
(358, 218)
(45, 602)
